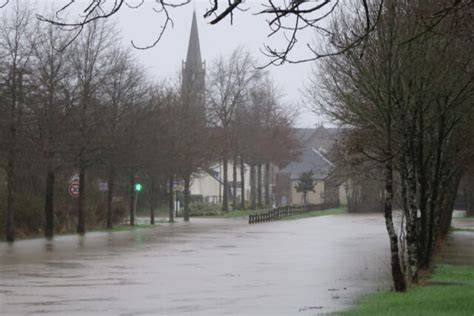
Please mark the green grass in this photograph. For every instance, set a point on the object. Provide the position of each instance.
(448, 291)
(236, 213)
(242, 213)
(331, 211)
(245, 213)
(450, 273)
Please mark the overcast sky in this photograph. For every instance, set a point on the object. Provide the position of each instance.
(163, 61)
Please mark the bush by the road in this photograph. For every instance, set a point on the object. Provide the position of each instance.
(204, 209)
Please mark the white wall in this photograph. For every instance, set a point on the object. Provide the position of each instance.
(207, 186)
(316, 197)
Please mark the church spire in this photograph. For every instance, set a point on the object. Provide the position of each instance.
(194, 71)
(193, 58)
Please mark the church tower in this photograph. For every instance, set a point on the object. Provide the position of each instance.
(194, 71)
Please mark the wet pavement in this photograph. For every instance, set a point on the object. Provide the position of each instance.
(207, 267)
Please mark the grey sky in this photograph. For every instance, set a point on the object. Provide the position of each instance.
(163, 61)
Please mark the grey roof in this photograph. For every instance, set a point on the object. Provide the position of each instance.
(310, 159)
(303, 134)
(320, 138)
(193, 58)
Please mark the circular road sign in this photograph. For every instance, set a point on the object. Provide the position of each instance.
(74, 189)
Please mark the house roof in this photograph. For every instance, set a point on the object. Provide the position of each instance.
(303, 134)
(320, 138)
(310, 159)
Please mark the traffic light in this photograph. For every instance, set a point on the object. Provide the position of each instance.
(138, 187)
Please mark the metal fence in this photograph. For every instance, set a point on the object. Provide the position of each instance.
(285, 211)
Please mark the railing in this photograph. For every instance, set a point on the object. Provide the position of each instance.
(284, 211)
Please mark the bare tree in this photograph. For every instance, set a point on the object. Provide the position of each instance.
(192, 139)
(50, 104)
(412, 110)
(16, 32)
(286, 18)
(228, 84)
(123, 90)
(89, 68)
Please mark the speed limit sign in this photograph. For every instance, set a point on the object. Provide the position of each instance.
(74, 189)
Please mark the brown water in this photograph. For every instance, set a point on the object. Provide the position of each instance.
(206, 267)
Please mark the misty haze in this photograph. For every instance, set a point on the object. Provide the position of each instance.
(272, 157)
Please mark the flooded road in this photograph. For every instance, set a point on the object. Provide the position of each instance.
(207, 267)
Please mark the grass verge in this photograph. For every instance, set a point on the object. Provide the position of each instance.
(236, 213)
(448, 291)
(331, 211)
(242, 213)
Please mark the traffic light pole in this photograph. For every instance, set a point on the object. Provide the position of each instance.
(137, 187)
(136, 203)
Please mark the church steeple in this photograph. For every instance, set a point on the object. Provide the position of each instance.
(194, 70)
(193, 58)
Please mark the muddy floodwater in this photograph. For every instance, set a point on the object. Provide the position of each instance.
(206, 267)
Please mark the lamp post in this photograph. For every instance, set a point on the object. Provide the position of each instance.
(137, 189)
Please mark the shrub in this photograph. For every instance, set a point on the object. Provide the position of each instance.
(204, 209)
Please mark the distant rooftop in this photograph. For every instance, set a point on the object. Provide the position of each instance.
(310, 159)
(320, 138)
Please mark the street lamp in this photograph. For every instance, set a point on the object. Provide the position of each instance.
(137, 188)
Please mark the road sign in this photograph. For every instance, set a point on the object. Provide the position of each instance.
(103, 186)
(74, 189)
(74, 178)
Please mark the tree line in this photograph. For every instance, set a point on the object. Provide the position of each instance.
(406, 96)
(92, 110)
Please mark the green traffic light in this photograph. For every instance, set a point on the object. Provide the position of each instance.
(138, 187)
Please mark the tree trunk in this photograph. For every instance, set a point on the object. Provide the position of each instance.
(170, 200)
(259, 184)
(253, 189)
(12, 157)
(411, 229)
(110, 196)
(81, 223)
(187, 195)
(448, 205)
(468, 195)
(397, 275)
(242, 183)
(421, 227)
(9, 222)
(225, 193)
(132, 200)
(152, 202)
(267, 183)
(234, 183)
(49, 202)
(435, 196)
(470, 204)
(405, 209)
(409, 190)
